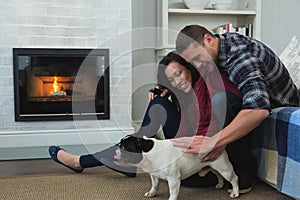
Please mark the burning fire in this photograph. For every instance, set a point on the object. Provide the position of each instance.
(57, 90)
(55, 85)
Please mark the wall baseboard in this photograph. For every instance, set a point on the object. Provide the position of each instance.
(34, 144)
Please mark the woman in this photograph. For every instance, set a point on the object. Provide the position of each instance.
(187, 113)
(207, 88)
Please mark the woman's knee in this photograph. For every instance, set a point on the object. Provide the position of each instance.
(226, 100)
(219, 101)
(225, 106)
(163, 105)
(160, 100)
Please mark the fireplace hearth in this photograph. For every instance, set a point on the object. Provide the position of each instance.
(61, 84)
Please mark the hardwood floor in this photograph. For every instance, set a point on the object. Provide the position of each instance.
(37, 167)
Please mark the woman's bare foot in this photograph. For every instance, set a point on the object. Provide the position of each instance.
(69, 159)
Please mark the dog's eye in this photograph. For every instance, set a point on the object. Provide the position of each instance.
(119, 145)
(122, 140)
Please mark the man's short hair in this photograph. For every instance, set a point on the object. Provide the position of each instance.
(190, 34)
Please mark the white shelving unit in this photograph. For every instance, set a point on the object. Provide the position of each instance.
(173, 16)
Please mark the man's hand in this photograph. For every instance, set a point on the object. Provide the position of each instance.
(209, 148)
(213, 155)
(204, 146)
(195, 145)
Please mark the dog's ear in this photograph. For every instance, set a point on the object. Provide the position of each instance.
(145, 145)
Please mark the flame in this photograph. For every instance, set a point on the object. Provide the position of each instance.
(55, 85)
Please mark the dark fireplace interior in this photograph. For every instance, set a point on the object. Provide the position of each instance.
(61, 84)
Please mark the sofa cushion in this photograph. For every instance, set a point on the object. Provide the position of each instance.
(275, 144)
(291, 58)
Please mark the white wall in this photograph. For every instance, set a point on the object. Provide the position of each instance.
(66, 24)
(280, 21)
(144, 59)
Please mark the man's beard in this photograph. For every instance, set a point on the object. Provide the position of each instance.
(213, 55)
(207, 67)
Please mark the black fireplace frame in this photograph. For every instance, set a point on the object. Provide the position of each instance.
(61, 52)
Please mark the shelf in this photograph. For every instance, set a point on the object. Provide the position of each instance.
(170, 46)
(209, 12)
(173, 16)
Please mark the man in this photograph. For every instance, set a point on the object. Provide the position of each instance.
(263, 83)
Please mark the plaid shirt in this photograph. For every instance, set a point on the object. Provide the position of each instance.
(262, 79)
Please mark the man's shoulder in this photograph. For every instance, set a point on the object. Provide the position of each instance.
(235, 41)
(229, 35)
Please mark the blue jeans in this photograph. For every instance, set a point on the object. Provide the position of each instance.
(161, 112)
(225, 106)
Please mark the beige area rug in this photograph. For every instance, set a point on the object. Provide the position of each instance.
(110, 186)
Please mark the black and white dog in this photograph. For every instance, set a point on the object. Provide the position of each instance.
(162, 160)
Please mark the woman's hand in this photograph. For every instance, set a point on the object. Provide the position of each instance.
(204, 146)
(152, 95)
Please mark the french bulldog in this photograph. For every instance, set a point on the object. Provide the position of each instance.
(162, 160)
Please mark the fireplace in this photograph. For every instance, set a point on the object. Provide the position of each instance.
(61, 84)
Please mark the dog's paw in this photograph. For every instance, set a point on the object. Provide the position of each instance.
(150, 194)
(220, 185)
(234, 194)
(204, 171)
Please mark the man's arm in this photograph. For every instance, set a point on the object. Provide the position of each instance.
(210, 148)
(242, 124)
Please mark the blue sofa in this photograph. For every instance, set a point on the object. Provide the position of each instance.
(276, 145)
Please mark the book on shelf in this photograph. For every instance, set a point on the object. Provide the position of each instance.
(244, 30)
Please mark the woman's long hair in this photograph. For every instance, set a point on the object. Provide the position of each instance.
(183, 101)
